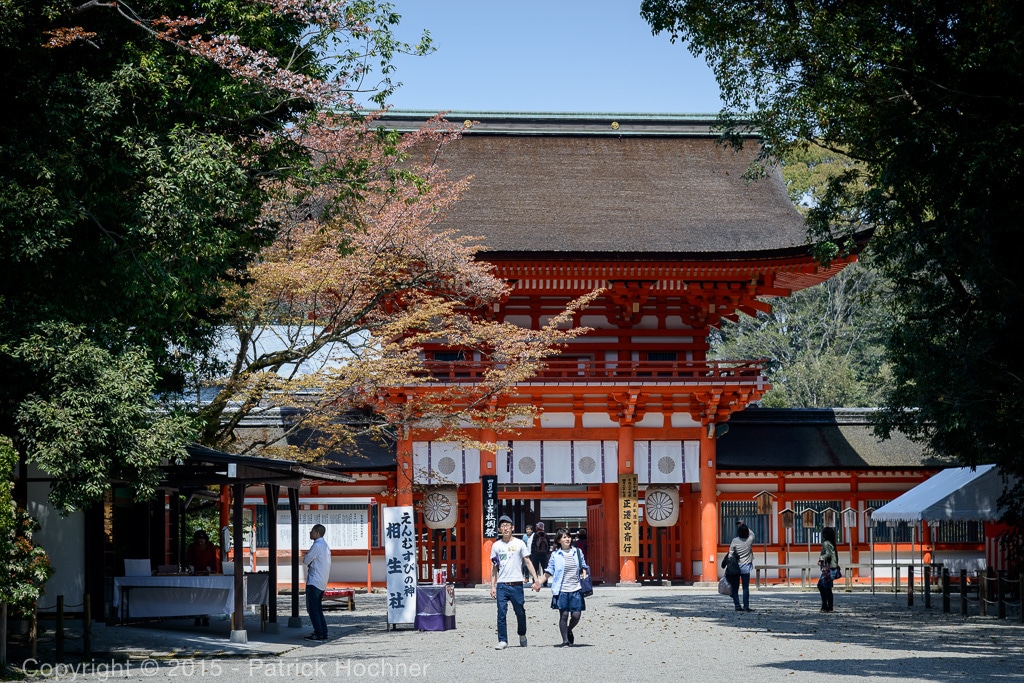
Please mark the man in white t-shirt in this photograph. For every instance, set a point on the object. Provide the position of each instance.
(508, 555)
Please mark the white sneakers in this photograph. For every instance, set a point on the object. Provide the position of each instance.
(502, 644)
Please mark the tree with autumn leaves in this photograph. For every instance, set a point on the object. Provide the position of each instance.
(163, 165)
(336, 311)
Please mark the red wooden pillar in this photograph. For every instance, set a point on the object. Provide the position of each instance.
(224, 502)
(927, 543)
(627, 564)
(708, 505)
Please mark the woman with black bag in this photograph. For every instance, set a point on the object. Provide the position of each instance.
(742, 547)
(828, 560)
(566, 568)
(731, 564)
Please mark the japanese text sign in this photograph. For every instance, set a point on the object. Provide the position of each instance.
(400, 563)
(629, 516)
(490, 487)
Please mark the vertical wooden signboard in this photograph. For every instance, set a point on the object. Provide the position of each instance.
(629, 520)
(490, 487)
(400, 560)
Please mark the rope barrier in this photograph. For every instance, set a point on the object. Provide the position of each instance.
(989, 588)
(59, 635)
(47, 608)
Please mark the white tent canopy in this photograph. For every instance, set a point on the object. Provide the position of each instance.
(954, 494)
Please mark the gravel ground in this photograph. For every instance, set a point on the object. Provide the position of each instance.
(645, 634)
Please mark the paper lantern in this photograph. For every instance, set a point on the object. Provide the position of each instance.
(440, 507)
(661, 505)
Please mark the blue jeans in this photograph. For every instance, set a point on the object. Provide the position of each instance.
(514, 594)
(735, 582)
(315, 609)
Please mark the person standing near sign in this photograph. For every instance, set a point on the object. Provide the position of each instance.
(508, 555)
(318, 568)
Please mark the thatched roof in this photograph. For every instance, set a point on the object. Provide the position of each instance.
(565, 183)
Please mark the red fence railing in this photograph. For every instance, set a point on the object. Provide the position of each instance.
(556, 370)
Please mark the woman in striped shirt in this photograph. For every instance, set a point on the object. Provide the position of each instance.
(565, 568)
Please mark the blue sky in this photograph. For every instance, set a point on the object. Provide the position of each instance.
(586, 56)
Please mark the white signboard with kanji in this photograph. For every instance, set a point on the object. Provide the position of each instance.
(400, 563)
(346, 529)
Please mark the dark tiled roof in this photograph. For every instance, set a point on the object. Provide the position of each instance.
(560, 185)
(814, 439)
(365, 454)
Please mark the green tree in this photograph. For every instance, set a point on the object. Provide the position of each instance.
(136, 140)
(927, 97)
(24, 566)
(824, 344)
(334, 314)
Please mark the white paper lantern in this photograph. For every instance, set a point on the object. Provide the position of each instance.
(441, 507)
(661, 505)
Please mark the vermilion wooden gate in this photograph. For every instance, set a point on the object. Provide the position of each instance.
(661, 553)
(444, 548)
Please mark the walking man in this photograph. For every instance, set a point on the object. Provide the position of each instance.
(318, 568)
(508, 555)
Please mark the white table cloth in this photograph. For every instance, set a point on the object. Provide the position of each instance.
(182, 596)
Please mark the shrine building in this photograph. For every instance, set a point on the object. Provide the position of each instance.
(654, 210)
(638, 438)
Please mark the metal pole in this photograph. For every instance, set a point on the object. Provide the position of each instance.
(928, 587)
(871, 532)
(849, 571)
(238, 633)
(87, 625)
(786, 532)
(58, 635)
(894, 556)
(767, 533)
(369, 549)
(913, 539)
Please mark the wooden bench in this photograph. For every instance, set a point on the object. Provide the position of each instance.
(341, 594)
